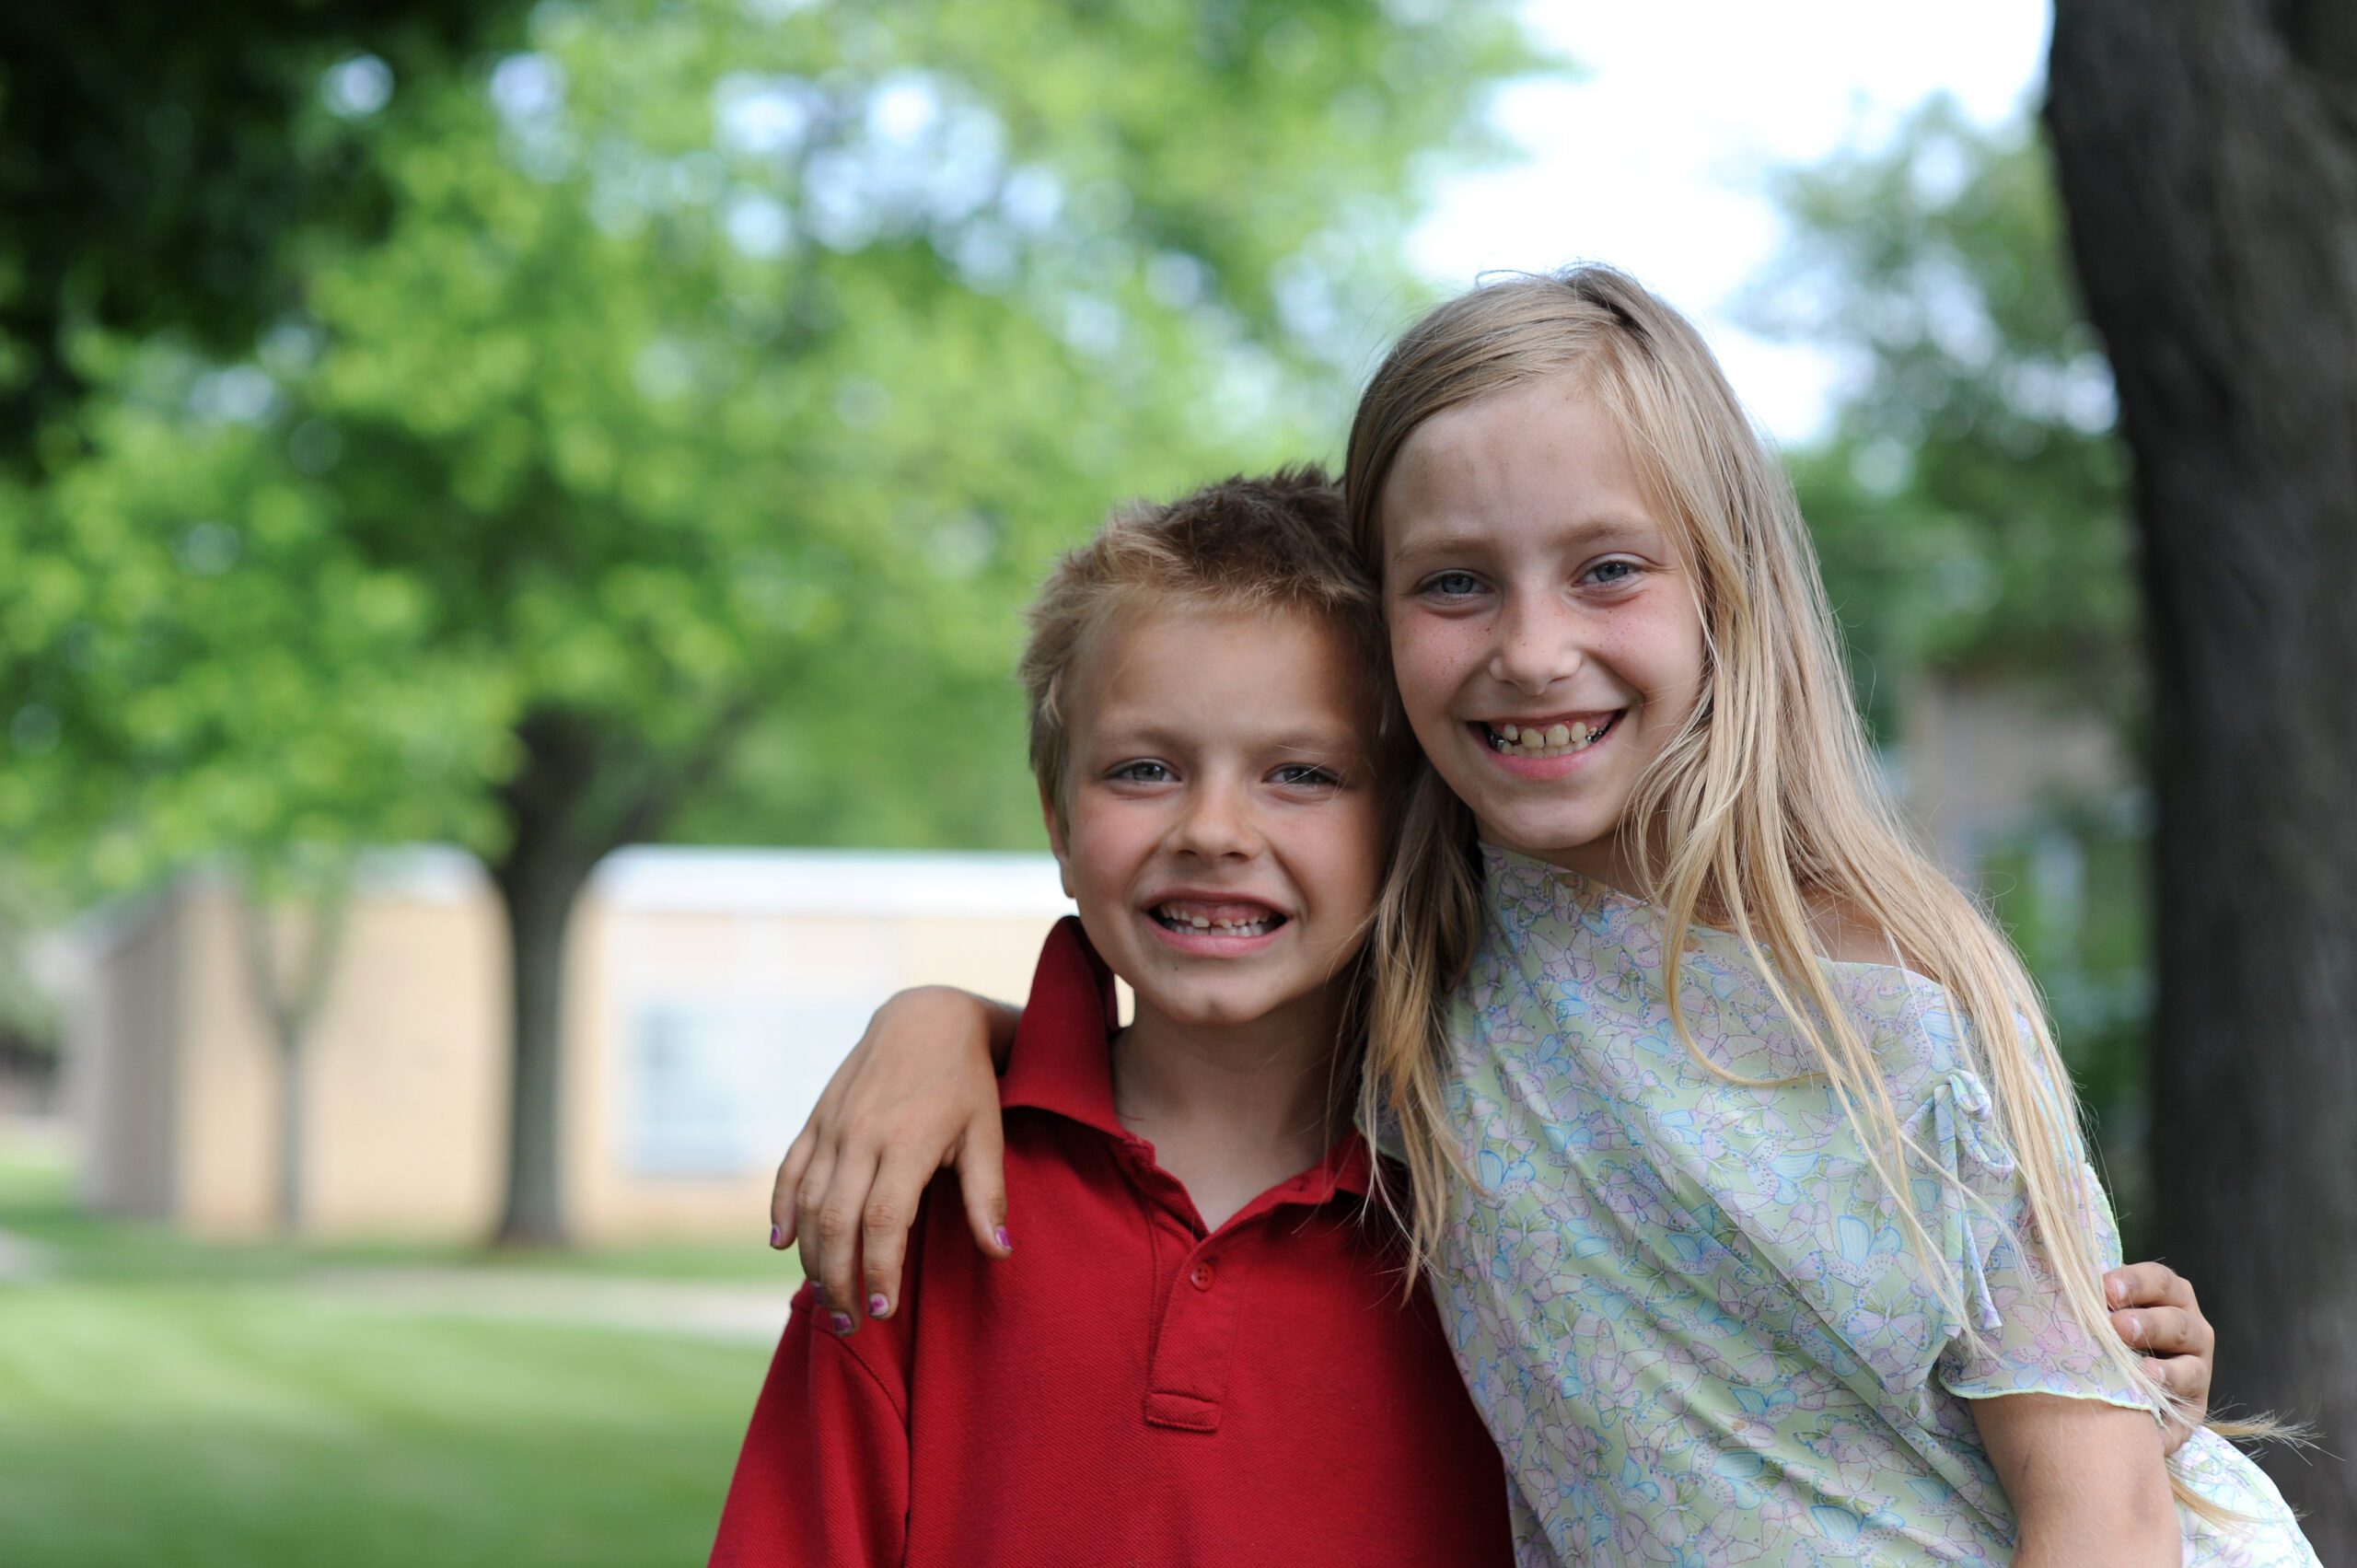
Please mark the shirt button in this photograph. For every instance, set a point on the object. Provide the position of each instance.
(1201, 1275)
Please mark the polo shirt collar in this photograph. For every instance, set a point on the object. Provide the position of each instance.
(1062, 1063)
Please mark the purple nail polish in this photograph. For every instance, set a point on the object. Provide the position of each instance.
(841, 1322)
(878, 1304)
(777, 1236)
(1000, 1236)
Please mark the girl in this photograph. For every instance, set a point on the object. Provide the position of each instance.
(1738, 1149)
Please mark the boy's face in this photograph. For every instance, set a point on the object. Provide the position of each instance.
(1224, 828)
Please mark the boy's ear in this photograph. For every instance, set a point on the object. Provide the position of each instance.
(1055, 820)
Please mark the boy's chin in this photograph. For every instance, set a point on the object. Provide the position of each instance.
(1222, 1004)
(1208, 1008)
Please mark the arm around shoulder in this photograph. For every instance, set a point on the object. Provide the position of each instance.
(919, 1093)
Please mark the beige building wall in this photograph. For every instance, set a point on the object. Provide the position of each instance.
(1981, 756)
(752, 974)
(122, 1072)
(709, 995)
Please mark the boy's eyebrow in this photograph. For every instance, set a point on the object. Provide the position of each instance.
(1148, 732)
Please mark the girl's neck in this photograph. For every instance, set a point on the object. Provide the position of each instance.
(1612, 860)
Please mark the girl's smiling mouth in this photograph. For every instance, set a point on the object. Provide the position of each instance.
(1549, 747)
(1565, 734)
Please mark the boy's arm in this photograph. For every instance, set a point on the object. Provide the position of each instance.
(2086, 1480)
(917, 1094)
(823, 1478)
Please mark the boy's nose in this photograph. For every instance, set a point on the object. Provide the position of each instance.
(1216, 823)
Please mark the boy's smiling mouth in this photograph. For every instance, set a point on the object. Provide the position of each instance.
(1562, 735)
(1204, 917)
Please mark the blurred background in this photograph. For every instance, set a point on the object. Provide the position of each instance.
(512, 525)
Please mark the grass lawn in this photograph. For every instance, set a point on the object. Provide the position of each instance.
(162, 1401)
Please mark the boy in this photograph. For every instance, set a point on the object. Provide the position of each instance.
(1205, 1355)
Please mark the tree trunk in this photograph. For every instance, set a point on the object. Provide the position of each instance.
(290, 1012)
(2207, 151)
(547, 862)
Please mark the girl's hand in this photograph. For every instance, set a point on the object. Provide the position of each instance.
(2152, 1307)
(917, 1094)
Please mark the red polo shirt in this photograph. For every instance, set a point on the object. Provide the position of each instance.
(1127, 1388)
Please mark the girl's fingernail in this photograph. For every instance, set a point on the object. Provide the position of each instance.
(777, 1236)
(2116, 1290)
(2135, 1328)
(999, 1235)
(841, 1321)
(878, 1304)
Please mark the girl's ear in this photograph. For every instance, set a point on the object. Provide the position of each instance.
(1055, 820)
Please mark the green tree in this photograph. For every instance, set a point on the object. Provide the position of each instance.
(1971, 500)
(720, 380)
(159, 163)
(1970, 509)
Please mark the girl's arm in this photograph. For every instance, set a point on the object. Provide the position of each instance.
(2086, 1480)
(917, 1094)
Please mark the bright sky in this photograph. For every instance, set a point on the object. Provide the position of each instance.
(1651, 159)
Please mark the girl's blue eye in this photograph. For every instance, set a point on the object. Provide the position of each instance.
(1142, 772)
(1306, 775)
(1453, 585)
(1613, 571)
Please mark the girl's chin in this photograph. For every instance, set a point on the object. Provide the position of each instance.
(1580, 847)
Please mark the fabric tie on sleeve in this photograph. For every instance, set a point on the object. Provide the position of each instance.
(1958, 1128)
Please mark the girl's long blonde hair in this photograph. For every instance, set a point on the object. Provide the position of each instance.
(1761, 815)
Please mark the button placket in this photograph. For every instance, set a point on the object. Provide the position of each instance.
(1187, 1378)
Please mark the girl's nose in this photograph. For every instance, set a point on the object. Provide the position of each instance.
(1537, 645)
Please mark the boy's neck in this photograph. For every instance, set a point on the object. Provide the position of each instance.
(1231, 1110)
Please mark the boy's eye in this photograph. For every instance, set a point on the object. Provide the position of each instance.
(1142, 772)
(1452, 585)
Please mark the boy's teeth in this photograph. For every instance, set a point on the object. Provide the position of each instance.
(1230, 921)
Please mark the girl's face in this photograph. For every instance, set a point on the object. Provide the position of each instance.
(1544, 628)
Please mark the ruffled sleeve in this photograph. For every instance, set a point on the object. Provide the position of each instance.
(2021, 1337)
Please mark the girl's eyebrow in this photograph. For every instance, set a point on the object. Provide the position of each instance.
(1452, 540)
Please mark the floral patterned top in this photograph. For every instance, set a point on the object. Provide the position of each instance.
(1686, 1309)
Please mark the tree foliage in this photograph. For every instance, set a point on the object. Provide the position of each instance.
(1971, 500)
(677, 449)
(159, 163)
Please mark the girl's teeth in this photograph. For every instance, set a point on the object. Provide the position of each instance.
(1553, 740)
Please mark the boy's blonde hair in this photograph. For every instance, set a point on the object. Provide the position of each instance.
(1767, 809)
(1275, 541)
